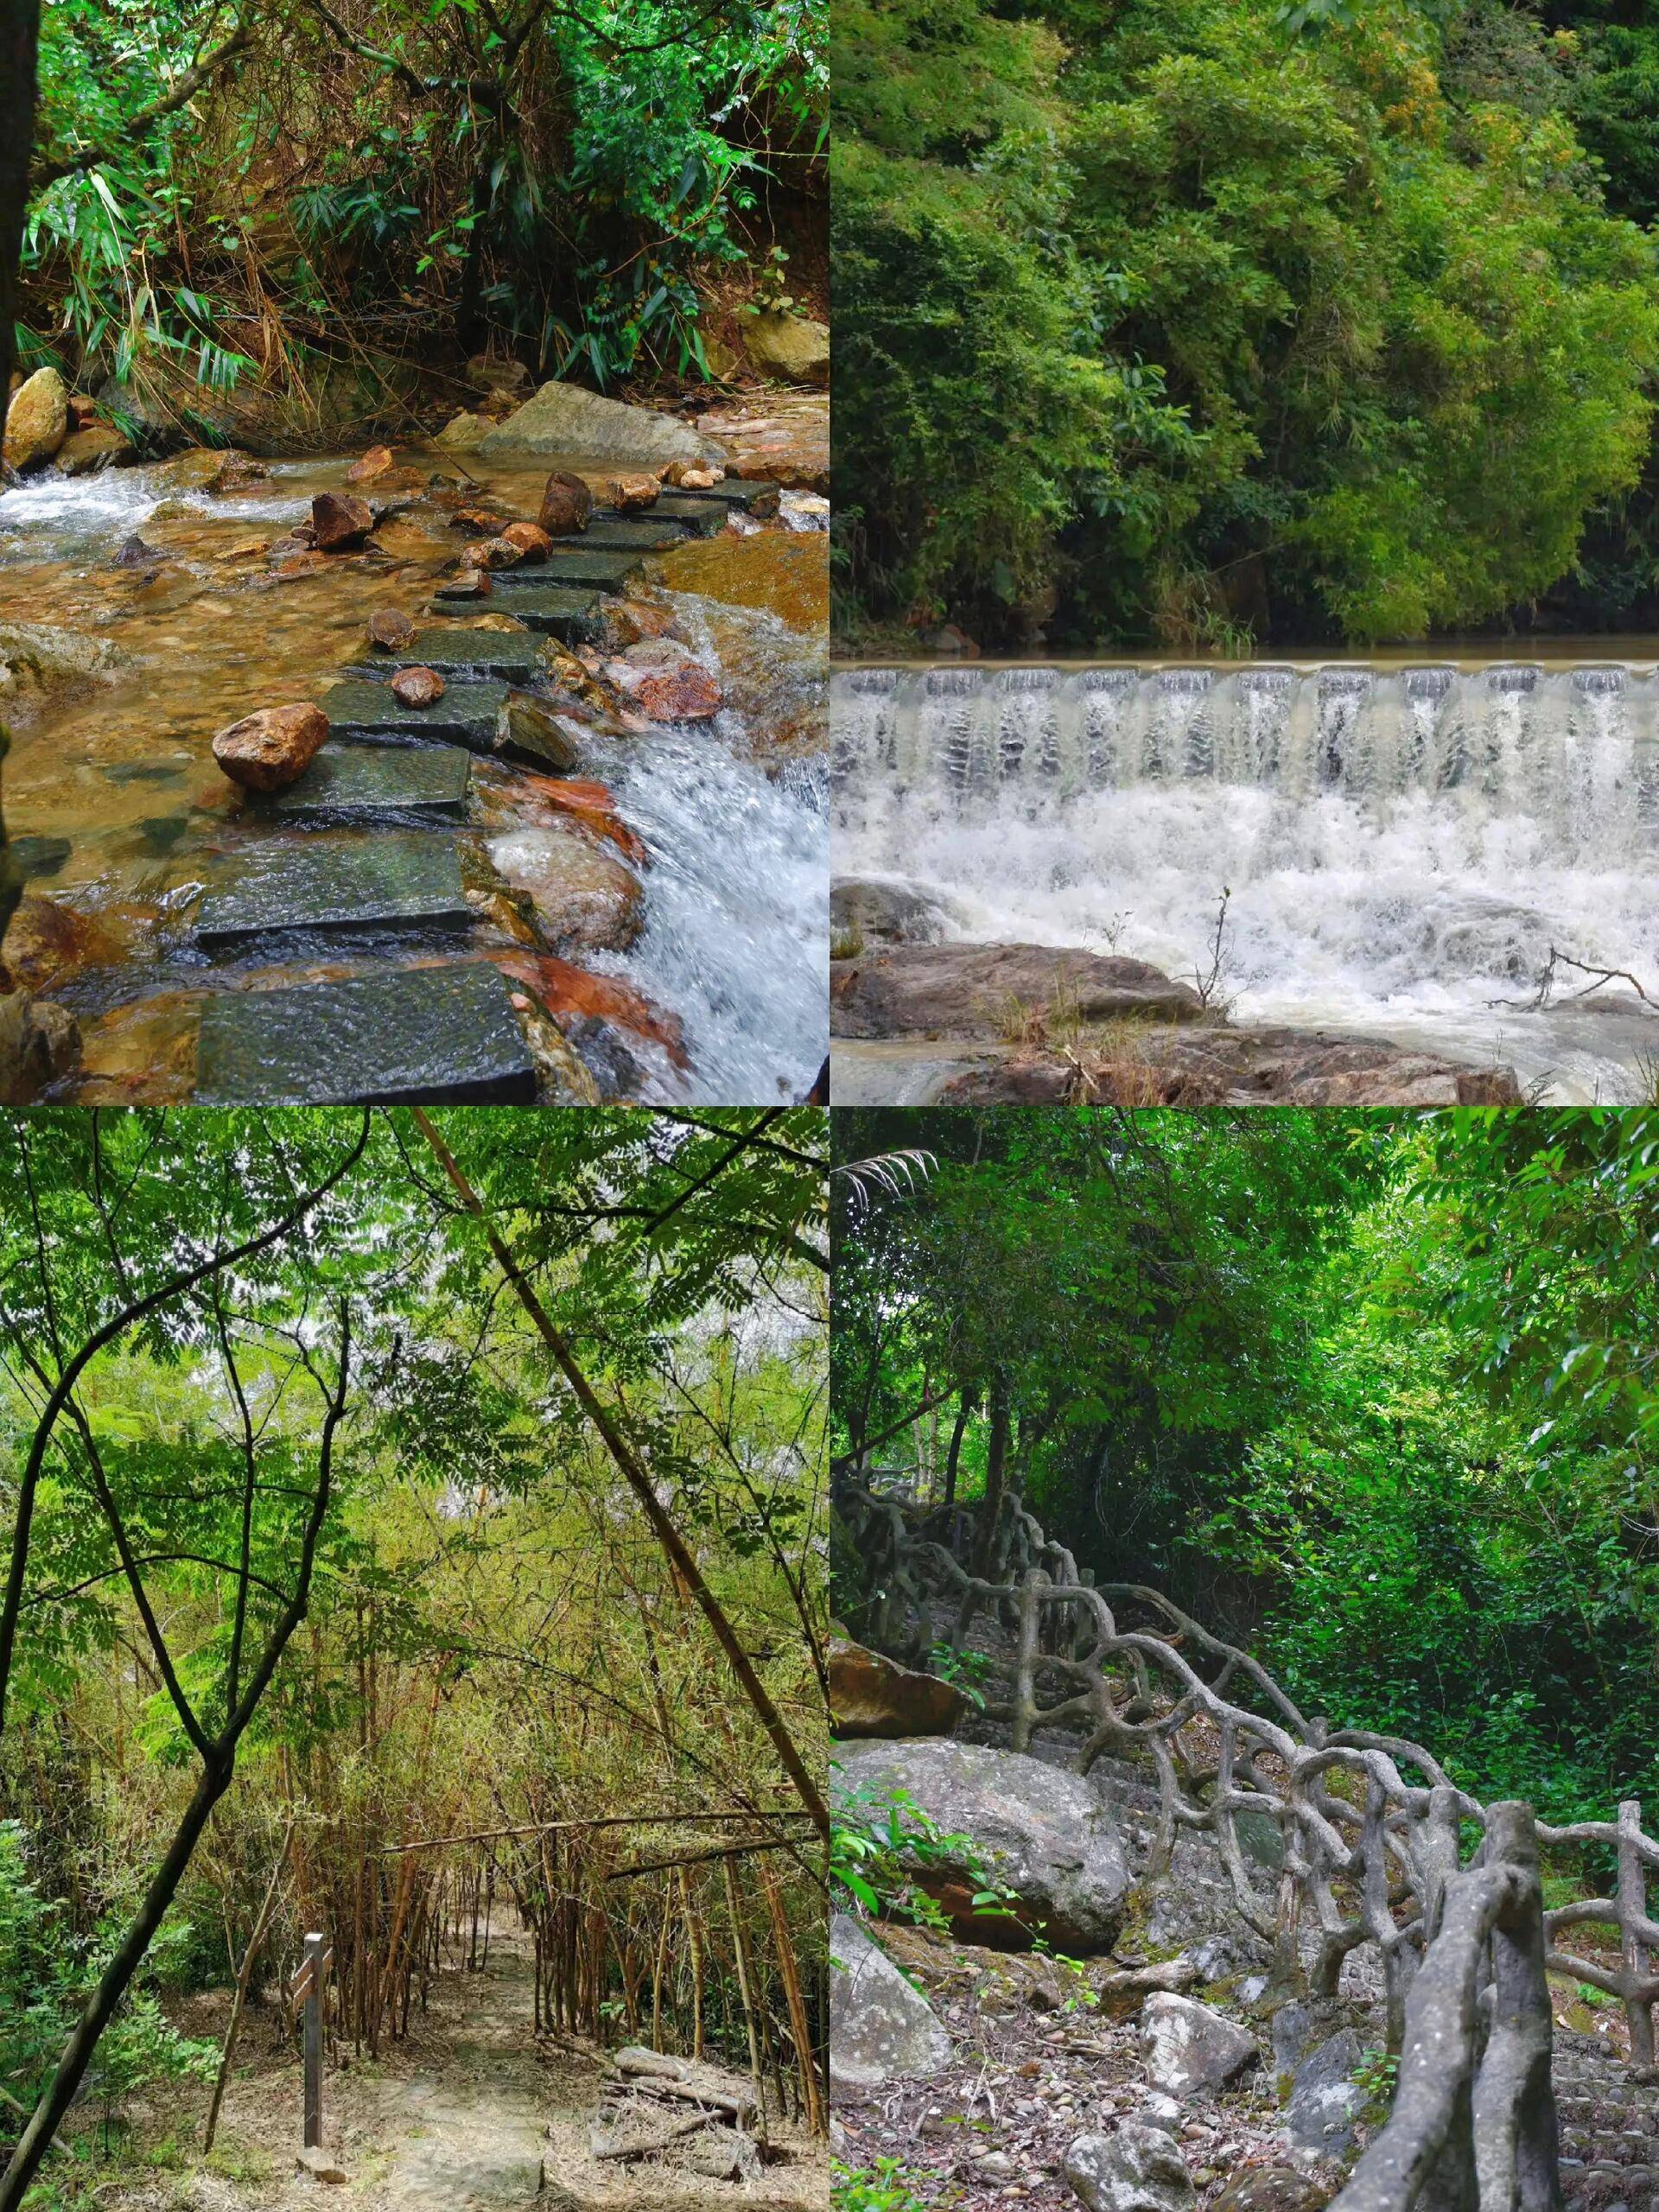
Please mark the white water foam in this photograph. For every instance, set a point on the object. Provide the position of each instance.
(1402, 850)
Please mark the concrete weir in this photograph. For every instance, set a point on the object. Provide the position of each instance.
(401, 880)
(444, 1034)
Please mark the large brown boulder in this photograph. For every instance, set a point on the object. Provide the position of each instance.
(341, 519)
(82, 453)
(870, 1695)
(566, 505)
(265, 751)
(37, 421)
(665, 682)
(978, 990)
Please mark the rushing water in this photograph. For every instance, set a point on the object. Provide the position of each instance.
(733, 814)
(1403, 846)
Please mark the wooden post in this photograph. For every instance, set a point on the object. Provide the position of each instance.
(1632, 1911)
(306, 1987)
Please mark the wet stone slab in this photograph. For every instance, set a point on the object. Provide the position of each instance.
(602, 570)
(444, 1034)
(402, 879)
(629, 533)
(695, 512)
(500, 656)
(574, 617)
(730, 492)
(378, 780)
(465, 715)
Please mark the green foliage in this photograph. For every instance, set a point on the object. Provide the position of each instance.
(882, 1850)
(1309, 319)
(887, 2186)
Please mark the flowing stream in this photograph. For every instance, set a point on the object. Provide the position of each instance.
(123, 815)
(1402, 847)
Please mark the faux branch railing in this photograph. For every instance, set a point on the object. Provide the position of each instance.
(1370, 1856)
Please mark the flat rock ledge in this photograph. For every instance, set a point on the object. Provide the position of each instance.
(1216, 1065)
(992, 990)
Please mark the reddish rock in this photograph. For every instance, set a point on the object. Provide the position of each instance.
(390, 627)
(593, 805)
(870, 1695)
(665, 681)
(83, 409)
(341, 519)
(629, 621)
(628, 493)
(566, 505)
(273, 748)
(47, 942)
(299, 564)
(491, 553)
(479, 522)
(417, 687)
(569, 992)
(375, 462)
(472, 583)
(532, 542)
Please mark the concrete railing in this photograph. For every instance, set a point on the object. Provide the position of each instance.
(1372, 1826)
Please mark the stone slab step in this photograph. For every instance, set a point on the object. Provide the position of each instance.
(465, 715)
(731, 491)
(607, 570)
(402, 879)
(698, 514)
(444, 1034)
(377, 779)
(643, 533)
(571, 614)
(499, 656)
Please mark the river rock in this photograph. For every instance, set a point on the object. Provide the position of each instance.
(1272, 2189)
(464, 433)
(884, 910)
(43, 653)
(39, 1044)
(525, 726)
(273, 748)
(562, 418)
(48, 941)
(585, 900)
(340, 520)
(533, 542)
(1191, 2050)
(872, 1695)
(567, 503)
(631, 621)
(1047, 1834)
(37, 421)
(575, 995)
(1326, 2101)
(491, 553)
(881, 2029)
(82, 453)
(629, 493)
(417, 687)
(1135, 2169)
(693, 476)
(970, 990)
(376, 462)
(791, 348)
(1212, 1063)
(665, 682)
(471, 584)
(486, 374)
(390, 628)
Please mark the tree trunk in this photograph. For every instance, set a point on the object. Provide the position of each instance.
(965, 1406)
(996, 1479)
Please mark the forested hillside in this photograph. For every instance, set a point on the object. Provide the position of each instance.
(332, 200)
(1374, 1396)
(1214, 322)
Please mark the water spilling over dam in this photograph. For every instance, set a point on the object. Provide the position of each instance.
(1400, 847)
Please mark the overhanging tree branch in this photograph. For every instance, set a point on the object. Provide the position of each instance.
(181, 95)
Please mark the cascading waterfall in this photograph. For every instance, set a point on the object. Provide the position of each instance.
(1401, 846)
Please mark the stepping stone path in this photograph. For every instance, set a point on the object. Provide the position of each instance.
(378, 780)
(443, 1033)
(333, 882)
(447, 1035)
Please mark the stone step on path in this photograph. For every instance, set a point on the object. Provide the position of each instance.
(446, 1034)
(369, 711)
(572, 613)
(744, 492)
(568, 564)
(333, 881)
(697, 514)
(629, 534)
(349, 782)
(489, 655)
